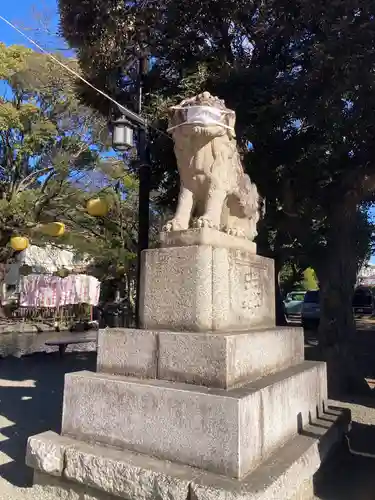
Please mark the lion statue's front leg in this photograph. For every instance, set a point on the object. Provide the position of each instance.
(214, 205)
(181, 220)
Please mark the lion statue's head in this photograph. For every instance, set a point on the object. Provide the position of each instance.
(203, 115)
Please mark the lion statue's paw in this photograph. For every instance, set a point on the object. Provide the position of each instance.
(172, 225)
(235, 231)
(205, 222)
(232, 231)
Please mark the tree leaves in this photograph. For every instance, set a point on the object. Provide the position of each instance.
(12, 59)
(45, 135)
(300, 76)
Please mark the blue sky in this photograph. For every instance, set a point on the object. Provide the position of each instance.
(38, 21)
(31, 17)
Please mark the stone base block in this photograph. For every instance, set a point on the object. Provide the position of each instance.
(228, 432)
(222, 360)
(100, 473)
(228, 360)
(204, 288)
(55, 488)
(126, 351)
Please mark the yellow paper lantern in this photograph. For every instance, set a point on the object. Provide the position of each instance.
(97, 207)
(53, 229)
(19, 243)
(120, 270)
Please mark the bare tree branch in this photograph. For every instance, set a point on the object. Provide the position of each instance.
(27, 181)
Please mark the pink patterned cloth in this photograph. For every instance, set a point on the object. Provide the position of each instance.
(40, 290)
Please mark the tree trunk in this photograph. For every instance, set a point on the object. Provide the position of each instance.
(279, 306)
(337, 276)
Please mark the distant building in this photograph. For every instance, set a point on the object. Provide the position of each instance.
(366, 276)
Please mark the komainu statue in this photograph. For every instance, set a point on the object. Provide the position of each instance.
(215, 192)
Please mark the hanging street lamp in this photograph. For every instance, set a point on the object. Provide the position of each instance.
(122, 134)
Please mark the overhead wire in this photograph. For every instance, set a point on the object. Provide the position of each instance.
(127, 112)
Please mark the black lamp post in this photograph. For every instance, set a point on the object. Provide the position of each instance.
(122, 140)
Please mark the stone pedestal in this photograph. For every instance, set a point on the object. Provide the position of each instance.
(209, 400)
(205, 288)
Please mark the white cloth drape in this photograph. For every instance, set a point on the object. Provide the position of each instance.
(38, 290)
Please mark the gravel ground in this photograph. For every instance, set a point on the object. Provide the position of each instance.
(30, 402)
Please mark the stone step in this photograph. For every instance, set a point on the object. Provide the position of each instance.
(228, 432)
(223, 360)
(68, 468)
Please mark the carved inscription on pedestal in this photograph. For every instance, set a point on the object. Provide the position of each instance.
(252, 287)
(247, 294)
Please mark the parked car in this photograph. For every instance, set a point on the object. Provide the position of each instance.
(363, 301)
(310, 313)
(293, 305)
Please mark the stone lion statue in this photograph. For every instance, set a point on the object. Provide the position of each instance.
(215, 192)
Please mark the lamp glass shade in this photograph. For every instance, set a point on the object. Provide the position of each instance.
(122, 137)
(19, 243)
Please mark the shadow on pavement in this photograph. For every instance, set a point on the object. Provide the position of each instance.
(347, 476)
(31, 392)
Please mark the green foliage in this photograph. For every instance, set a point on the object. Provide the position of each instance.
(51, 165)
(109, 242)
(12, 59)
(300, 95)
(290, 278)
(46, 137)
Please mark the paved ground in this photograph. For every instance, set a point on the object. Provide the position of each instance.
(349, 476)
(30, 402)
